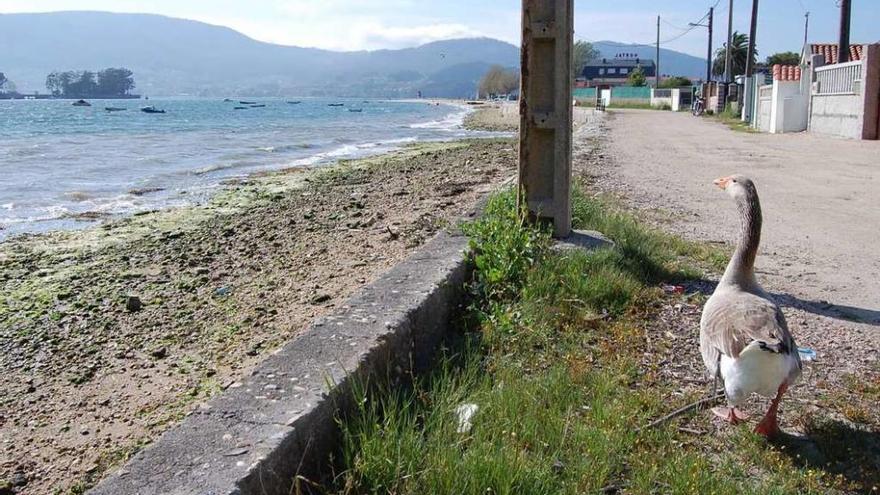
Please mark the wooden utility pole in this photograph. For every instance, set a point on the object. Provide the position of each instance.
(657, 64)
(709, 55)
(753, 33)
(843, 44)
(546, 111)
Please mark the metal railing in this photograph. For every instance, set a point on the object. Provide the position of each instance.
(838, 79)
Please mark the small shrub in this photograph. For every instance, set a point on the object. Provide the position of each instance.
(504, 246)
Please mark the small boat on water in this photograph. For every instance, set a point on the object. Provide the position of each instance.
(151, 109)
(227, 100)
(241, 108)
(258, 106)
(336, 104)
(81, 103)
(114, 109)
(247, 102)
(356, 110)
(294, 102)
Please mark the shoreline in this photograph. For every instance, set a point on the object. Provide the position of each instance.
(112, 334)
(140, 199)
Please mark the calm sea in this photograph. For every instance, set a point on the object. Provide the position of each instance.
(58, 161)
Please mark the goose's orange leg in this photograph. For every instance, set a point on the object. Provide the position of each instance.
(769, 426)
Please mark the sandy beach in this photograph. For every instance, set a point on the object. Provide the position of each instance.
(112, 334)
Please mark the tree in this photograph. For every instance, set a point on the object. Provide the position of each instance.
(784, 58)
(637, 77)
(499, 81)
(87, 84)
(115, 82)
(738, 56)
(582, 54)
(676, 82)
(6, 86)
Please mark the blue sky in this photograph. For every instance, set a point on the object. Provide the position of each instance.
(372, 24)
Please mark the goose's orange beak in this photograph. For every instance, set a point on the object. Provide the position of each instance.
(722, 182)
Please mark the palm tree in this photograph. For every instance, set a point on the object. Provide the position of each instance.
(738, 56)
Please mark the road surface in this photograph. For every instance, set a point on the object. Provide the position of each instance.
(820, 250)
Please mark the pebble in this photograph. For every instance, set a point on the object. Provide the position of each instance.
(133, 304)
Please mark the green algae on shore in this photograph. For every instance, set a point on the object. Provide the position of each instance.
(111, 334)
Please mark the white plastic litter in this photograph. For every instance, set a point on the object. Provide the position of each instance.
(465, 413)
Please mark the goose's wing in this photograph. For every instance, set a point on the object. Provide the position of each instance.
(735, 320)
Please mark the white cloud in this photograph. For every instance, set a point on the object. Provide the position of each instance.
(379, 36)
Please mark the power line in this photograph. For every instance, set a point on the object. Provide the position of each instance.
(662, 42)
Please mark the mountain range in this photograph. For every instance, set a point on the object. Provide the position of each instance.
(182, 57)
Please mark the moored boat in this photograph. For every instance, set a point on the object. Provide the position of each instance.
(81, 103)
(151, 109)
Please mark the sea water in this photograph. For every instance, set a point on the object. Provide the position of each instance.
(59, 162)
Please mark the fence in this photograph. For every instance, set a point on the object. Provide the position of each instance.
(618, 95)
(839, 79)
(765, 92)
(585, 94)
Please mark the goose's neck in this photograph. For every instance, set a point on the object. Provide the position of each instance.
(741, 269)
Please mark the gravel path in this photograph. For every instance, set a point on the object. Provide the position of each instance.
(821, 208)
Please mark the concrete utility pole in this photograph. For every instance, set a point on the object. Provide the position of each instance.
(727, 54)
(546, 111)
(709, 55)
(843, 44)
(806, 28)
(657, 64)
(711, 16)
(750, 66)
(753, 32)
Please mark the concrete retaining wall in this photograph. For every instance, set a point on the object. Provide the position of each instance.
(264, 430)
(837, 115)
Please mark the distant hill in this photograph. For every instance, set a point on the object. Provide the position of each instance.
(672, 63)
(175, 56)
(182, 57)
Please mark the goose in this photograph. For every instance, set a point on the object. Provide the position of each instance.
(744, 338)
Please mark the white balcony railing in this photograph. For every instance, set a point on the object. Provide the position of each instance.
(839, 79)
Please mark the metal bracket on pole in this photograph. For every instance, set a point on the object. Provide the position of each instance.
(546, 111)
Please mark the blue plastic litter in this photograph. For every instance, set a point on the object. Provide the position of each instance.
(807, 354)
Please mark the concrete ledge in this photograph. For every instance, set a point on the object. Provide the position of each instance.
(582, 240)
(263, 431)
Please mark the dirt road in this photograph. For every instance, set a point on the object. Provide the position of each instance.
(820, 198)
(821, 238)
